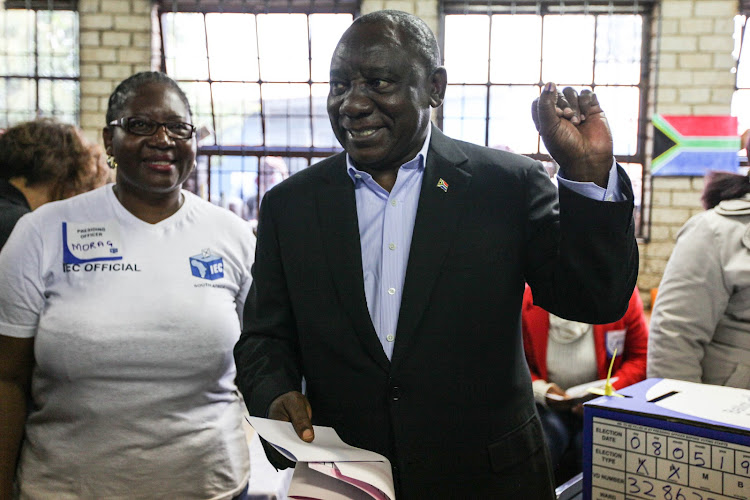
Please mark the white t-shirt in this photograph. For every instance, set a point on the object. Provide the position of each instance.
(134, 324)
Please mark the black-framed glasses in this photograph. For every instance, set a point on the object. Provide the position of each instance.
(146, 126)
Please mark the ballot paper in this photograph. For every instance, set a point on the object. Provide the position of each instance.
(580, 393)
(328, 468)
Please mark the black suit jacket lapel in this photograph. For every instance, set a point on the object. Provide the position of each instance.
(438, 213)
(339, 225)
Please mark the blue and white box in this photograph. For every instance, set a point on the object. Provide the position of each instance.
(207, 266)
(668, 440)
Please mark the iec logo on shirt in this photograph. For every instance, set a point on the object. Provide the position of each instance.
(207, 266)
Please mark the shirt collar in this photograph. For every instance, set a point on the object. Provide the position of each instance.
(415, 162)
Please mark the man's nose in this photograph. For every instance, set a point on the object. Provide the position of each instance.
(356, 102)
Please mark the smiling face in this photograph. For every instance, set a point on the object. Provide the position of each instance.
(156, 165)
(380, 96)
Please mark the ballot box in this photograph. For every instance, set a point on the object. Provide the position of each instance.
(668, 440)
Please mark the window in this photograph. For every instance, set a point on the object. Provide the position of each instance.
(498, 58)
(39, 73)
(258, 83)
(741, 97)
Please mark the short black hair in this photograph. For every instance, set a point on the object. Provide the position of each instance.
(130, 85)
(419, 36)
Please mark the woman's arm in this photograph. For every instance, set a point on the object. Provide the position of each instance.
(16, 362)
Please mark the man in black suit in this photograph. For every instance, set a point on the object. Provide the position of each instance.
(391, 277)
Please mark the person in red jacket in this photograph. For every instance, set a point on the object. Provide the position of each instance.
(563, 354)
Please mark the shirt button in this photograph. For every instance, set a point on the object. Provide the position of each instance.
(357, 176)
(392, 246)
(390, 338)
(391, 291)
(394, 202)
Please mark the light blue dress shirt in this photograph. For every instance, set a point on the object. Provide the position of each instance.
(386, 224)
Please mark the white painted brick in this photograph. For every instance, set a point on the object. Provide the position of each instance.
(676, 8)
(95, 22)
(89, 38)
(675, 78)
(668, 61)
(116, 71)
(668, 95)
(694, 26)
(88, 6)
(694, 61)
(371, 6)
(89, 103)
(133, 23)
(141, 6)
(711, 109)
(686, 199)
(694, 96)
(96, 87)
(104, 101)
(116, 6)
(721, 95)
(142, 40)
(91, 120)
(723, 61)
(713, 78)
(724, 25)
(115, 39)
(716, 8)
(659, 249)
(404, 5)
(90, 71)
(97, 54)
(659, 233)
(426, 9)
(670, 27)
(661, 199)
(671, 183)
(674, 109)
(138, 67)
(134, 55)
(716, 43)
(679, 43)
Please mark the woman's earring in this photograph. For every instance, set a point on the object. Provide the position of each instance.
(111, 162)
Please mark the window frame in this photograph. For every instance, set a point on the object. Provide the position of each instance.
(37, 6)
(596, 8)
(213, 152)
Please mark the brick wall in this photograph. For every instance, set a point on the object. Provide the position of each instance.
(691, 75)
(115, 37)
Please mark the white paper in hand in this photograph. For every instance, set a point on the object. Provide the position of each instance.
(328, 464)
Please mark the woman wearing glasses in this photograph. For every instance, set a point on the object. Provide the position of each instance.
(119, 309)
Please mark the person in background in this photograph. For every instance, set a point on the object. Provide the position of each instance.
(273, 169)
(119, 309)
(390, 277)
(700, 322)
(41, 161)
(562, 354)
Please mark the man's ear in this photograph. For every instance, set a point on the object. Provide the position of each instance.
(107, 138)
(438, 84)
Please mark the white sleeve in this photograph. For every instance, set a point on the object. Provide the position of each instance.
(691, 300)
(22, 285)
